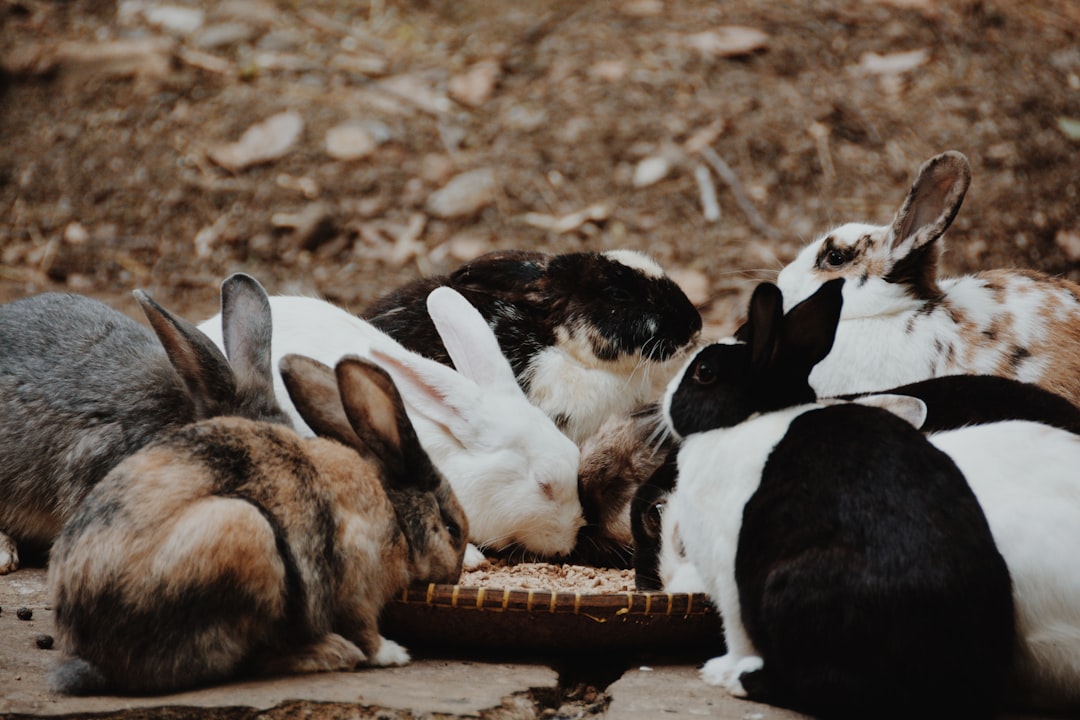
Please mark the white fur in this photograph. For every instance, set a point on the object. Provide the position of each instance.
(513, 471)
(1026, 476)
(569, 381)
(719, 471)
(677, 573)
(637, 261)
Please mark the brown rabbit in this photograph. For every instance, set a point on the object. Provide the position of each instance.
(231, 547)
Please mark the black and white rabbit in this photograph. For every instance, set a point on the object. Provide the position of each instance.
(232, 547)
(82, 386)
(589, 335)
(901, 323)
(854, 570)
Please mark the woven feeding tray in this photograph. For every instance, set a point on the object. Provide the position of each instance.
(454, 616)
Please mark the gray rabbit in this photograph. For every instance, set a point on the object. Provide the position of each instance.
(83, 386)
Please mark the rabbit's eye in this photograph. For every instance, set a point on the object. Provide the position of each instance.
(704, 374)
(620, 295)
(454, 530)
(837, 258)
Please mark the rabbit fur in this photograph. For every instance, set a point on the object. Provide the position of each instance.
(827, 533)
(82, 386)
(512, 470)
(902, 323)
(589, 335)
(622, 455)
(231, 547)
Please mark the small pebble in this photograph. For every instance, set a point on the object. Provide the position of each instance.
(45, 642)
(24, 613)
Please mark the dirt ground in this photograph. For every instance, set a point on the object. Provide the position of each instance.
(585, 125)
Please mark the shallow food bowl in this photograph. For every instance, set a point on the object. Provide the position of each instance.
(453, 616)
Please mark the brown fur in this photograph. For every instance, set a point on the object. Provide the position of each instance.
(229, 541)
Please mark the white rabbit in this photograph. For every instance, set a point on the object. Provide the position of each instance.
(901, 323)
(512, 470)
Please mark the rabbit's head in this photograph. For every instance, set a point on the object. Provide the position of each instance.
(513, 470)
(358, 405)
(765, 367)
(888, 267)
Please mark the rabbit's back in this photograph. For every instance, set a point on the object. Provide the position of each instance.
(81, 387)
(224, 531)
(878, 544)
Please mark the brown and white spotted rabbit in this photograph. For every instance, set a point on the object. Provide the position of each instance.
(901, 323)
(231, 547)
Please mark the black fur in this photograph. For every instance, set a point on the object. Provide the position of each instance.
(527, 296)
(646, 509)
(957, 401)
(867, 576)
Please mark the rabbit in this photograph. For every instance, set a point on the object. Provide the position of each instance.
(231, 547)
(82, 386)
(853, 568)
(660, 561)
(1026, 478)
(615, 461)
(901, 323)
(955, 401)
(512, 470)
(589, 335)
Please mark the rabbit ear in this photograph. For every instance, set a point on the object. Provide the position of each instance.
(810, 327)
(313, 389)
(432, 389)
(378, 417)
(908, 408)
(505, 273)
(762, 328)
(203, 369)
(932, 203)
(246, 330)
(469, 341)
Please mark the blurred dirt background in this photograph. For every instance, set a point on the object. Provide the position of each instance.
(342, 148)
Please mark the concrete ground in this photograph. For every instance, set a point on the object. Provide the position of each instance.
(430, 687)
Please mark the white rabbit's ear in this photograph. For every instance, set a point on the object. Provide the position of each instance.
(905, 407)
(468, 339)
(432, 389)
(932, 203)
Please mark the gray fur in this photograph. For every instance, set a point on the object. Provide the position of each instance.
(82, 386)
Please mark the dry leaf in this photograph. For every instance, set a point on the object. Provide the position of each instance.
(727, 41)
(262, 142)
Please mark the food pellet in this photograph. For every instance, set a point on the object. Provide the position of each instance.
(24, 613)
(45, 642)
(549, 576)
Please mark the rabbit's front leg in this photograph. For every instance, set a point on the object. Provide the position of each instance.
(9, 555)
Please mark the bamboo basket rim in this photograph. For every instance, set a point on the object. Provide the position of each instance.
(506, 599)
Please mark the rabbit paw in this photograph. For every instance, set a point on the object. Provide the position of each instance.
(389, 653)
(725, 671)
(9, 555)
(328, 653)
(474, 557)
